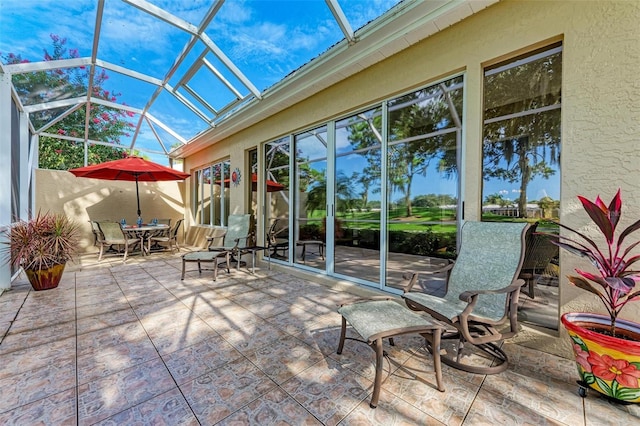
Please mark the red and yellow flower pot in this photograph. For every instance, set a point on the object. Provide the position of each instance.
(610, 365)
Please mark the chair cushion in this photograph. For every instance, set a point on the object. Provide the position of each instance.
(449, 307)
(384, 318)
(202, 256)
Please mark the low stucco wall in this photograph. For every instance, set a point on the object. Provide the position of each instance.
(95, 199)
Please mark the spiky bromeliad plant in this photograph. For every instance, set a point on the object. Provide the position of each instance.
(44, 241)
(616, 279)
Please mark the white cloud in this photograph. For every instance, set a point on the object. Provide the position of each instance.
(22, 30)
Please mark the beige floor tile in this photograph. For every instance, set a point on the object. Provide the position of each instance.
(284, 358)
(181, 335)
(23, 360)
(328, 390)
(161, 319)
(415, 383)
(95, 341)
(107, 360)
(322, 336)
(252, 336)
(102, 398)
(551, 398)
(600, 411)
(194, 361)
(56, 409)
(273, 408)
(34, 337)
(490, 408)
(169, 408)
(295, 320)
(391, 411)
(43, 318)
(268, 308)
(38, 383)
(105, 320)
(221, 392)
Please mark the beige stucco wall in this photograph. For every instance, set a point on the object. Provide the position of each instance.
(600, 110)
(94, 199)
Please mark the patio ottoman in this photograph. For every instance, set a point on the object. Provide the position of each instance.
(215, 257)
(375, 320)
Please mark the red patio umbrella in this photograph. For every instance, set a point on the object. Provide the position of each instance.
(130, 168)
(272, 186)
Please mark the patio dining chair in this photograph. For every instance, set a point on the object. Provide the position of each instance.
(480, 305)
(97, 234)
(277, 239)
(111, 236)
(170, 238)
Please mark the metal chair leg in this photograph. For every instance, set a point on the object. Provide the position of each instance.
(377, 382)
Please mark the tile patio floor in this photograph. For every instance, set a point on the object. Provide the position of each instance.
(132, 344)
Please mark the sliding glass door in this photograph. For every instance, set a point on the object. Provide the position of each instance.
(277, 198)
(356, 199)
(373, 194)
(311, 198)
(422, 184)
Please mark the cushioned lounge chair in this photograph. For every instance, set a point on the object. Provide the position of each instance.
(237, 236)
(480, 306)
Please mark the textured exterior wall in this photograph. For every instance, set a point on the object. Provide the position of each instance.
(94, 199)
(600, 111)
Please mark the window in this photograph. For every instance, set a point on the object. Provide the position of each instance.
(211, 194)
(521, 137)
(521, 166)
(424, 134)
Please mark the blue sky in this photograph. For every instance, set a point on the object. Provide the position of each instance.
(266, 40)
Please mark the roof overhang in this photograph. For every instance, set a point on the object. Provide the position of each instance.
(396, 30)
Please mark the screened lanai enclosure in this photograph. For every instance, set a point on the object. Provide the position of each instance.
(363, 196)
(147, 76)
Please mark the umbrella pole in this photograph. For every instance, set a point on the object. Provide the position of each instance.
(138, 196)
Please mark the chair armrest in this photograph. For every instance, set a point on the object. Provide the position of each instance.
(210, 239)
(246, 239)
(469, 295)
(413, 276)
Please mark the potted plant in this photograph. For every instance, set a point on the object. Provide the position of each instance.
(41, 246)
(607, 349)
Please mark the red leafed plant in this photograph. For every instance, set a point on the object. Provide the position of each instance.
(615, 280)
(46, 240)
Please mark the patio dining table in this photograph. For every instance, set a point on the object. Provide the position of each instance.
(144, 232)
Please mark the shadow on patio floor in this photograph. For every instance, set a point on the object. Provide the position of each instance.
(131, 343)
